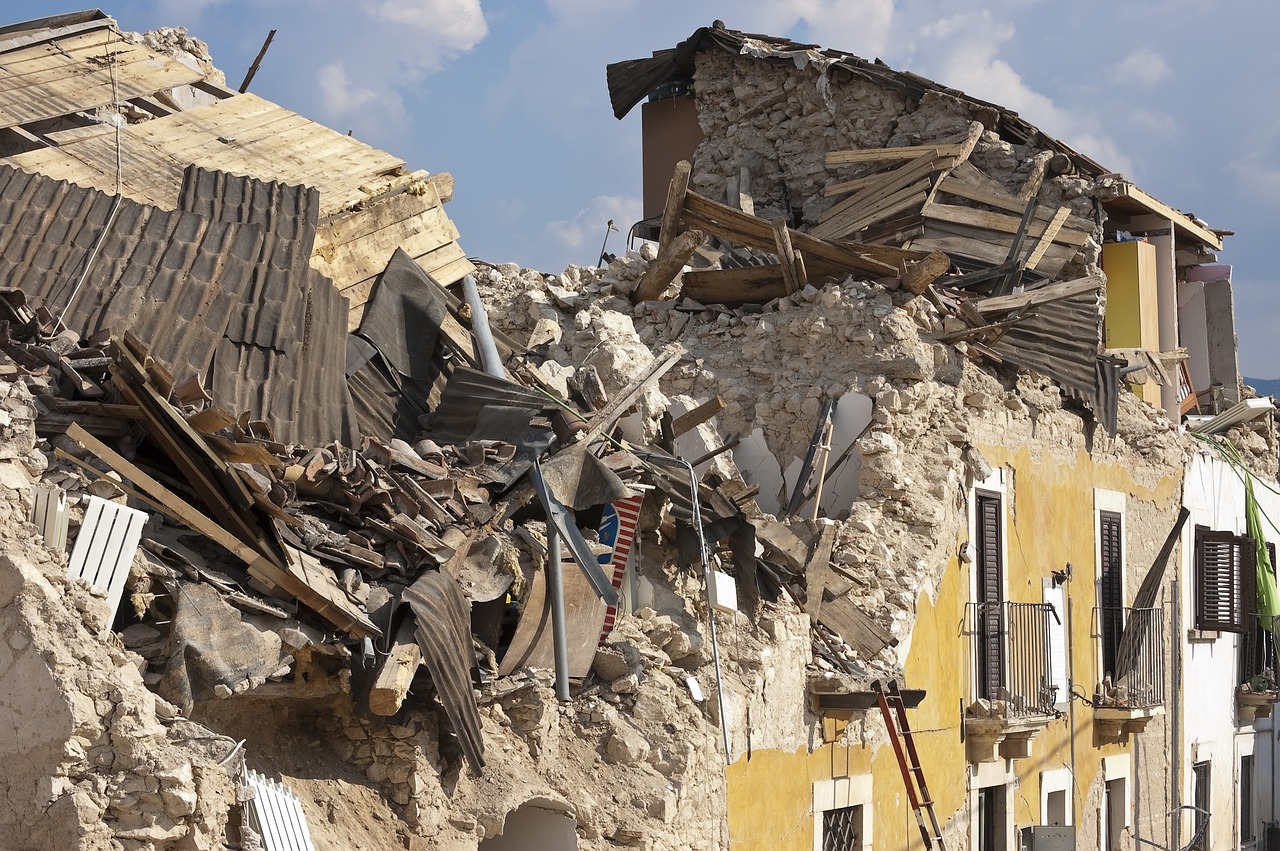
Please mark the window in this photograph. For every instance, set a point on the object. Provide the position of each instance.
(989, 565)
(1201, 799)
(1222, 563)
(842, 829)
(1246, 799)
(1258, 644)
(1110, 587)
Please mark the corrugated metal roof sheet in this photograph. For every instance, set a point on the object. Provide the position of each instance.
(288, 216)
(284, 351)
(155, 270)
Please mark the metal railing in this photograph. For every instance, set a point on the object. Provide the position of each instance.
(1132, 655)
(1011, 655)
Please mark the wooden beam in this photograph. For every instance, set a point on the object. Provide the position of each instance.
(818, 568)
(920, 275)
(1031, 186)
(1181, 221)
(391, 686)
(1000, 223)
(663, 271)
(675, 203)
(736, 226)
(618, 406)
(786, 256)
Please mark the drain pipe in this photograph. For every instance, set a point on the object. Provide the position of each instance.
(486, 349)
(559, 638)
(1176, 721)
(706, 581)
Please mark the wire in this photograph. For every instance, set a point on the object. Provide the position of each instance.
(112, 61)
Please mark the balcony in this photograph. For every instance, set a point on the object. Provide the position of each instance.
(1014, 694)
(1130, 688)
(1258, 688)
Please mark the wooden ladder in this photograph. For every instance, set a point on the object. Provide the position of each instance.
(904, 748)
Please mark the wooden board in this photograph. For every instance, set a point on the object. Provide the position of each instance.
(74, 74)
(244, 134)
(584, 615)
(1075, 233)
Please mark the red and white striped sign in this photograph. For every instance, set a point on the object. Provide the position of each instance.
(627, 515)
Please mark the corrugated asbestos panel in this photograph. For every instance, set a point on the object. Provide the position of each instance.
(79, 71)
(323, 401)
(155, 271)
(1060, 342)
(443, 619)
(244, 134)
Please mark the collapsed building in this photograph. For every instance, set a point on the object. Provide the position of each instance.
(879, 449)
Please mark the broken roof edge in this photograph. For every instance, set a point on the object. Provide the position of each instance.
(1182, 222)
(627, 79)
(51, 27)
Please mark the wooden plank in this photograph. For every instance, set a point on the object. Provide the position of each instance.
(368, 220)
(912, 197)
(692, 419)
(1046, 294)
(1180, 220)
(889, 184)
(1046, 238)
(1000, 223)
(391, 686)
(843, 617)
(720, 219)
(676, 191)
(754, 284)
(970, 175)
(317, 588)
(817, 569)
(909, 152)
(952, 185)
(164, 499)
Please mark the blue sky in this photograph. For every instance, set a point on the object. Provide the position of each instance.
(1179, 95)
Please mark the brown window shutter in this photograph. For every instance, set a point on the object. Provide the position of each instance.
(1218, 581)
(1110, 587)
(990, 596)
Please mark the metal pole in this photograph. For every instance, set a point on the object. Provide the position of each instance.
(559, 639)
(706, 581)
(486, 349)
(1175, 721)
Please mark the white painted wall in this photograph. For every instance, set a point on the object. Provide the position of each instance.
(1214, 494)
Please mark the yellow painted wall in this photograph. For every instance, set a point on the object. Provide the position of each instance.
(1049, 521)
(1133, 319)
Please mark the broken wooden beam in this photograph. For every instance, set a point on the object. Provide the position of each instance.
(1046, 294)
(391, 686)
(663, 271)
(791, 275)
(675, 203)
(919, 275)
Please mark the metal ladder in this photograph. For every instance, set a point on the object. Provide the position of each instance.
(904, 748)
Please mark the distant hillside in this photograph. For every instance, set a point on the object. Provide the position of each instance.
(1265, 386)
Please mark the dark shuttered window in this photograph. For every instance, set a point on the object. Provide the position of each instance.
(1110, 587)
(990, 597)
(1221, 561)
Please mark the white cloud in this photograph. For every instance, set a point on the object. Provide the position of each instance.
(341, 96)
(459, 24)
(963, 51)
(585, 230)
(1143, 67)
(1157, 122)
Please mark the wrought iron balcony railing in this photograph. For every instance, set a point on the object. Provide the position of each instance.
(1011, 654)
(1132, 657)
